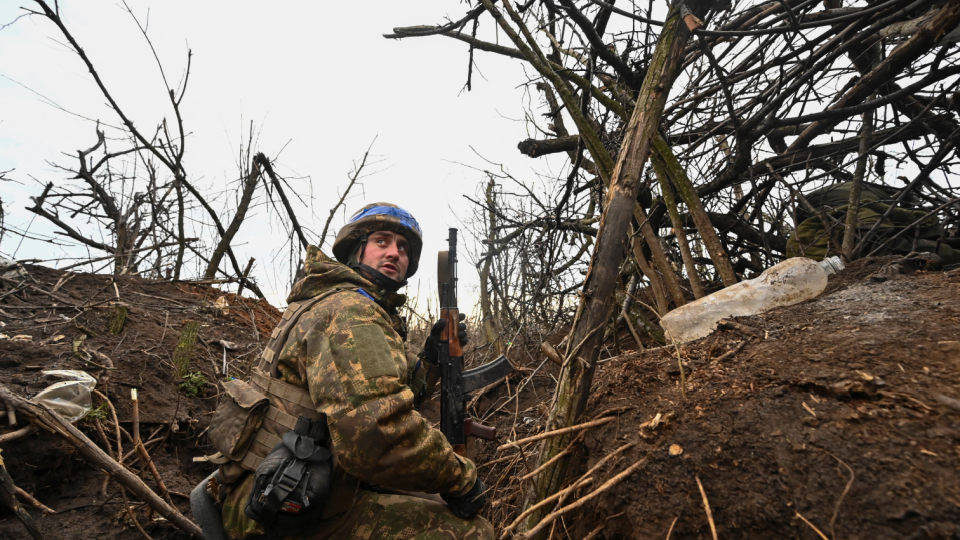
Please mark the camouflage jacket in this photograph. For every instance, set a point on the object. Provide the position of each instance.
(348, 352)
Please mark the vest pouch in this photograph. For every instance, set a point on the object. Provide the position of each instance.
(237, 419)
(292, 483)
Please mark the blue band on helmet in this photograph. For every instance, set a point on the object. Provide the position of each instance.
(405, 218)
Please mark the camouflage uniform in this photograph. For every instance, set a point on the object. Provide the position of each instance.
(810, 239)
(348, 352)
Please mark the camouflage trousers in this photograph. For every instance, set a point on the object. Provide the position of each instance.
(374, 516)
(377, 516)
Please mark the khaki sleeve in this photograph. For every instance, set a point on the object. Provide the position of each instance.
(355, 366)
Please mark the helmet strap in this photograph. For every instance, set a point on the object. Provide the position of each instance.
(378, 278)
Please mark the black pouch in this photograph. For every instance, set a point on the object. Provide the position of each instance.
(292, 483)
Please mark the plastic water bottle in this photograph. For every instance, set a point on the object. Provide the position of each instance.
(790, 282)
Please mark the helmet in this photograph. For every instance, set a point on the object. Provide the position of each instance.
(379, 217)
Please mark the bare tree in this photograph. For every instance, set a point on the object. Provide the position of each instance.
(776, 105)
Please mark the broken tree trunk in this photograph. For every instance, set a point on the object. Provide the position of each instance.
(47, 419)
(583, 345)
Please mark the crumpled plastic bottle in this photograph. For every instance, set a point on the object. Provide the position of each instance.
(790, 282)
(70, 399)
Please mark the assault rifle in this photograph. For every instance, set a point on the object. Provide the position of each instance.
(455, 383)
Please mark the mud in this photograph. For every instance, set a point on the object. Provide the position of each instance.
(830, 421)
(142, 354)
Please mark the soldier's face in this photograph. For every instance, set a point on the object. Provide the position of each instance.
(387, 252)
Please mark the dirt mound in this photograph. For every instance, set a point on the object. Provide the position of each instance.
(838, 414)
(60, 312)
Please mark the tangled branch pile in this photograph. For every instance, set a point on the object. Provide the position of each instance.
(775, 101)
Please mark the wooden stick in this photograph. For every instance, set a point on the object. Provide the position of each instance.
(142, 450)
(584, 480)
(566, 451)
(45, 417)
(558, 495)
(583, 500)
(29, 498)
(18, 434)
(8, 498)
(557, 432)
(670, 530)
(812, 526)
(706, 505)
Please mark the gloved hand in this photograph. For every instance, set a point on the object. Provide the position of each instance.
(470, 503)
(431, 348)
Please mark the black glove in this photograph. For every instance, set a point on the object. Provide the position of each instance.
(431, 348)
(470, 503)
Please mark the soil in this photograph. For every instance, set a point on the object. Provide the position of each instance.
(833, 415)
(83, 307)
(824, 419)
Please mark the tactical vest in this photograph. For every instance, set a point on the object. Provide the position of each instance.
(253, 415)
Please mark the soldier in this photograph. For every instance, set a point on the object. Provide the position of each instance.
(347, 351)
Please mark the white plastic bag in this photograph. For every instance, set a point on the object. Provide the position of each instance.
(71, 398)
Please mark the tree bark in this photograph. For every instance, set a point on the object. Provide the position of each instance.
(583, 346)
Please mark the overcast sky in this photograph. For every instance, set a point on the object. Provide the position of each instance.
(317, 79)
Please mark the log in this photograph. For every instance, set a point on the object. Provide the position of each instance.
(46, 418)
(576, 377)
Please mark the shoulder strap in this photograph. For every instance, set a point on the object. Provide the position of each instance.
(271, 353)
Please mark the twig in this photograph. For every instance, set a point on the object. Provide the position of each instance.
(729, 354)
(556, 432)
(583, 500)
(553, 460)
(584, 480)
(846, 489)
(18, 434)
(42, 415)
(8, 497)
(670, 530)
(30, 499)
(142, 450)
(706, 506)
(683, 377)
(812, 526)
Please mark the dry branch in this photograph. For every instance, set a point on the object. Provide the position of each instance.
(50, 420)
